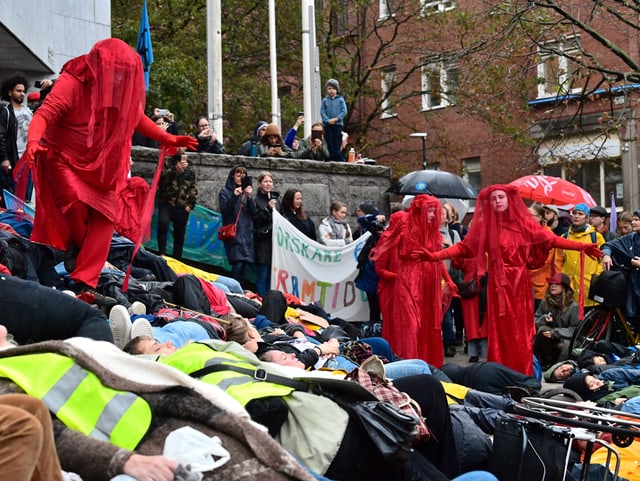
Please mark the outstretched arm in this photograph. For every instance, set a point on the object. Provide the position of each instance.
(425, 255)
(591, 250)
(148, 128)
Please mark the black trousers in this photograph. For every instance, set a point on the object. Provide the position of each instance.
(179, 216)
(34, 313)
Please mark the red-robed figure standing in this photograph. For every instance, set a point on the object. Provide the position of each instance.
(505, 241)
(413, 295)
(80, 141)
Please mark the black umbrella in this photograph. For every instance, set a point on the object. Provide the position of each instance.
(437, 183)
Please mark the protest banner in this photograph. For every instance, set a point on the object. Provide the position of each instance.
(314, 272)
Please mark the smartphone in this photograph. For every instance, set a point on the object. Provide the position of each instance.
(163, 112)
(183, 158)
(316, 134)
(246, 181)
(37, 84)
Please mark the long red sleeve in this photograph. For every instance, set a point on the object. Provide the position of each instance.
(448, 253)
(148, 128)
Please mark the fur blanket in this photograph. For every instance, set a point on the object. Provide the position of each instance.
(176, 401)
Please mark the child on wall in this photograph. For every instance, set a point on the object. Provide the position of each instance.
(333, 110)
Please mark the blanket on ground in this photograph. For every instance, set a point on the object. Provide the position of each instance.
(176, 401)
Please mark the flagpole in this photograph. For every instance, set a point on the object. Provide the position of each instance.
(214, 67)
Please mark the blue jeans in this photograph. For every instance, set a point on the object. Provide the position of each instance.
(406, 367)
(231, 284)
(447, 328)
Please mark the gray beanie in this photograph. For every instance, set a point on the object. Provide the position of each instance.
(333, 83)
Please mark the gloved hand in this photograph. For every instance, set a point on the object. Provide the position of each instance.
(33, 148)
(180, 141)
(422, 255)
(592, 251)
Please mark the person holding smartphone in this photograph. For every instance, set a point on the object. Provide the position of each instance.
(271, 144)
(314, 147)
(177, 193)
(236, 204)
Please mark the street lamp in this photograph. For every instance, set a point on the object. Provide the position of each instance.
(423, 136)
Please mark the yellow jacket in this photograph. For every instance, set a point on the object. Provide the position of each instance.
(571, 264)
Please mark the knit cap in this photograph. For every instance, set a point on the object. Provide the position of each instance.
(333, 83)
(583, 208)
(369, 208)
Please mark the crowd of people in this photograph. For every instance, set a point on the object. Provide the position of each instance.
(124, 346)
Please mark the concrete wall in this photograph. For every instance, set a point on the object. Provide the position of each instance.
(320, 182)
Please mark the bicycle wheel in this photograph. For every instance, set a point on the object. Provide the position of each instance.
(596, 326)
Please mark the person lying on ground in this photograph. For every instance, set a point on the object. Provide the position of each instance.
(611, 388)
(490, 377)
(340, 450)
(165, 401)
(560, 371)
(33, 313)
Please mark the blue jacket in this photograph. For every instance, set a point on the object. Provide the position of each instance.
(333, 107)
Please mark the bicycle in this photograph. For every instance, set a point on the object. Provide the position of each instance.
(606, 322)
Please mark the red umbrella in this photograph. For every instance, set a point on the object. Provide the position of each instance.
(552, 190)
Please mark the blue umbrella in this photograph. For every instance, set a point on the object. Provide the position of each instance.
(143, 47)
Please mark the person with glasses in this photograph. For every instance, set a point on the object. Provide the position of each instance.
(208, 138)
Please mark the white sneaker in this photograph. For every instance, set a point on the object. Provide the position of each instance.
(141, 327)
(120, 324)
(138, 308)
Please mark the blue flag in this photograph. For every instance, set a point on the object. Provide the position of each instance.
(143, 47)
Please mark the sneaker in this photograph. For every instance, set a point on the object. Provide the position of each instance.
(138, 308)
(141, 327)
(91, 296)
(120, 324)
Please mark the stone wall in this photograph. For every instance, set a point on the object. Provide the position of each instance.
(320, 182)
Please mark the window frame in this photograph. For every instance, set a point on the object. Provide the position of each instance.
(551, 50)
(385, 105)
(427, 7)
(448, 83)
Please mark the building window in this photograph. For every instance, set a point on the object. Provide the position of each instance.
(598, 177)
(427, 8)
(439, 83)
(557, 69)
(340, 17)
(388, 81)
(471, 173)
(386, 9)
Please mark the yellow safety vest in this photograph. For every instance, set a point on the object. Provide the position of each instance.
(79, 399)
(242, 387)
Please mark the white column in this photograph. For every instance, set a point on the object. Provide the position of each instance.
(214, 66)
(273, 62)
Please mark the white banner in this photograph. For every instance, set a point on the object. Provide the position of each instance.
(314, 272)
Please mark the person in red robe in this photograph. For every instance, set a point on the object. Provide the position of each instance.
(80, 141)
(506, 241)
(415, 325)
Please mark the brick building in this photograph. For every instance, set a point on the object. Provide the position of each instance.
(561, 119)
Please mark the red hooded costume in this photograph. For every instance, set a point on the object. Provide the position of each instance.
(506, 241)
(81, 137)
(414, 328)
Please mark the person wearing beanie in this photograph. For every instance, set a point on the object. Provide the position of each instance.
(556, 320)
(581, 231)
(333, 110)
(610, 388)
(258, 132)
(271, 143)
(598, 219)
(552, 218)
(560, 371)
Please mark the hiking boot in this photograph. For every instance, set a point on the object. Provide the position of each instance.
(89, 295)
(70, 257)
(120, 324)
